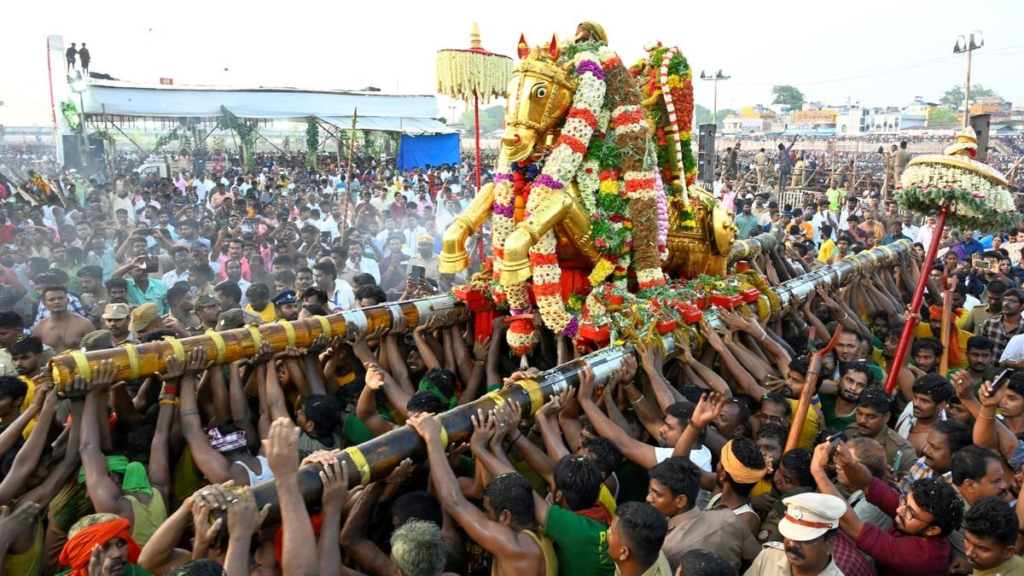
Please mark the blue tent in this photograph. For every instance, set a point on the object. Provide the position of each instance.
(436, 149)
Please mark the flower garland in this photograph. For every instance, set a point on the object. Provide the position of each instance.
(466, 74)
(629, 126)
(560, 168)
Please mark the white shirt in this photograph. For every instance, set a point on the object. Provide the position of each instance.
(409, 246)
(343, 297)
(911, 231)
(172, 277)
(1014, 351)
(368, 266)
(924, 235)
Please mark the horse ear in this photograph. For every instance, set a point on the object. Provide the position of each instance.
(524, 48)
(553, 47)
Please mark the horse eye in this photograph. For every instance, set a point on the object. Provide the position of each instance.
(542, 92)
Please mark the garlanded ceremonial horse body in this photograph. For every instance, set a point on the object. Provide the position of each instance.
(582, 194)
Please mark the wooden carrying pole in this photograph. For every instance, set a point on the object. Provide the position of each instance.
(142, 360)
(796, 429)
(375, 459)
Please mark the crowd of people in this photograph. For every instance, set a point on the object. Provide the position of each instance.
(677, 465)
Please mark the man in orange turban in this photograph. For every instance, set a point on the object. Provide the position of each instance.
(105, 542)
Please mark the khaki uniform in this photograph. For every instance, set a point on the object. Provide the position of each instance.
(893, 444)
(772, 561)
(720, 531)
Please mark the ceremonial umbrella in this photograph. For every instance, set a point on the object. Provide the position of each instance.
(471, 74)
(966, 193)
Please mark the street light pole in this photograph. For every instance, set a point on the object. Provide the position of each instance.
(714, 113)
(968, 44)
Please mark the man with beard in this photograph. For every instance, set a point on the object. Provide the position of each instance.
(115, 319)
(872, 417)
(931, 393)
(795, 381)
(303, 279)
(62, 329)
(233, 269)
(918, 542)
(286, 306)
(425, 258)
(183, 320)
(980, 357)
(977, 473)
(946, 438)
(855, 347)
(259, 302)
(999, 329)
(991, 540)
(93, 296)
(105, 538)
(207, 309)
(141, 288)
(994, 306)
(236, 251)
(810, 530)
(927, 352)
(840, 408)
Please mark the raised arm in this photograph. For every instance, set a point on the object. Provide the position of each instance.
(366, 406)
(210, 462)
(45, 402)
(283, 457)
(104, 493)
(492, 536)
(636, 451)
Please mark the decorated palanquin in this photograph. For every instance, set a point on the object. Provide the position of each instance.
(593, 188)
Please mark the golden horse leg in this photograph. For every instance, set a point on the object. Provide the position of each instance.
(516, 267)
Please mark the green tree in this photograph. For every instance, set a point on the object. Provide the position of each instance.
(954, 97)
(490, 119)
(940, 117)
(786, 94)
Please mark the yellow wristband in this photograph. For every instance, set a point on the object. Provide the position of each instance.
(444, 436)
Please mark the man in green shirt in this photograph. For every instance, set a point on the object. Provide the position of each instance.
(840, 407)
(745, 221)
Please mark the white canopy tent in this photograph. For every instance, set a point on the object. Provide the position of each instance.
(373, 110)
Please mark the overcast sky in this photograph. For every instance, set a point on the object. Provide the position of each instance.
(876, 52)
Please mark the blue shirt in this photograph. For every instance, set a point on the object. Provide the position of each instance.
(156, 292)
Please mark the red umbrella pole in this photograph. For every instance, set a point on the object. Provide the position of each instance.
(915, 302)
(476, 126)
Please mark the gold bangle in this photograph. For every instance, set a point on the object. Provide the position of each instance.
(983, 417)
(170, 402)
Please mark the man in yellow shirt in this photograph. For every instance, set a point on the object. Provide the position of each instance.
(828, 247)
(259, 302)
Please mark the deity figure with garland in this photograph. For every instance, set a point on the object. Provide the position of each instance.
(591, 184)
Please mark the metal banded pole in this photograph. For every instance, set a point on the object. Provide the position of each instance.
(375, 459)
(142, 360)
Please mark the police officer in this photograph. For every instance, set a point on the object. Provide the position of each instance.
(809, 530)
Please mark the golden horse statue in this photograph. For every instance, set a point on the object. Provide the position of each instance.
(540, 95)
